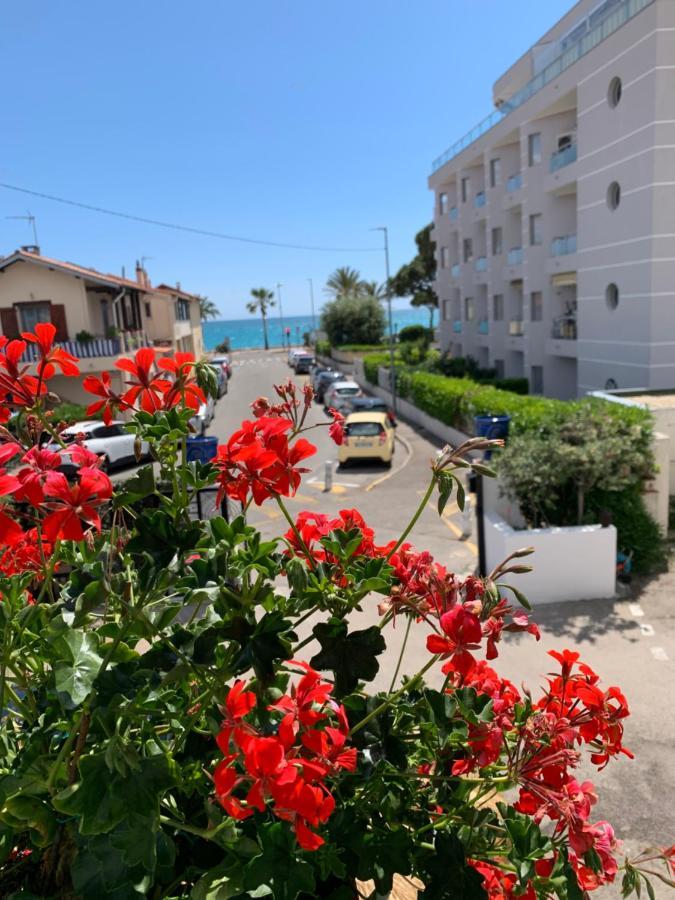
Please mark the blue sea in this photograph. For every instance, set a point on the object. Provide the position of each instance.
(248, 333)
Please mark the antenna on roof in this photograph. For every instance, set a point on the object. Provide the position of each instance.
(29, 218)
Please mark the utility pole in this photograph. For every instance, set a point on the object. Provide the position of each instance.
(281, 313)
(311, 302)
(392, 367)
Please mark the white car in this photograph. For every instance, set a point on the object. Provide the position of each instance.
(295, 351)
(339, 393)
(203, 417)
(112, 442)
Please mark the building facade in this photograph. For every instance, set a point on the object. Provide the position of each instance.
(554, 218)
(98, 317)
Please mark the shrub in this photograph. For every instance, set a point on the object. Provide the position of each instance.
(413, 352)
(322, 348)
(83, 337)
(353, 320)
(415, 333)
(70, 413)
(372, 363)
(223, 346)
(515, 385)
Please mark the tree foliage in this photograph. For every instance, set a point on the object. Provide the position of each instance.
(263, 300)
(416, 278)
(208, 309)
(353, 319)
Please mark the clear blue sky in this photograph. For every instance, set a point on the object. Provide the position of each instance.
(288, 120)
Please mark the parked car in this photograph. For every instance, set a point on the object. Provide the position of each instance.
(113, 442)
(203, 417)
(223, 379)
(367, 435)
(223, 360)
(369, 404)
(292, 353)
(323, 381)
(303, 363)
(339, 393)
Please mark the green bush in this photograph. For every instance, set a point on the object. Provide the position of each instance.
(70, 413)
(515, 385)
(223, 346)
(414, 333)
(353, 320)
(372, 363)
(322, 348)
(637, 532)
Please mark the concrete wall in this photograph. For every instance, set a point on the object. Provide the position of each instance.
(569, 563)
(26, 283)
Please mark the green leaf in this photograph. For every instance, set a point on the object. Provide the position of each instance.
(99, 870)
(446, 874)
(74, 675)
(262, 643)
(136, 488)
(520, 597)
(279, 867)
(102, 799)
(215, 885)
(461, 495)
(445, 482)
(351, 657)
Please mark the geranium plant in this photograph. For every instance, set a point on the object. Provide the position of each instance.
(185, 706)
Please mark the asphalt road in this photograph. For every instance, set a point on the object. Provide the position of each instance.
(629, 642)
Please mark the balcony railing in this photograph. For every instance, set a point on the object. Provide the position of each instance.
(514, 183)
(453, 214)
(516, 328)
(565, 328)
(563, 246)
(479, 200)
(483, 326)
(457, 326)
(95, 347)
(563, 158)
(455, 270)
(570, 54)
(481, 264)
(515, 256)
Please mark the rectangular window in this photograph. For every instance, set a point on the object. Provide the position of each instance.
(499, 367)
(495, 172)
(536, 229)
(33, 313)
(447, 310)
(498, 308)
(182, 310)
(468, 249)
(468, 309)
(534, 148)
(148, 310)
(537, 379)
(444, 257)
(497, 246)
(536, 306)
(466, 182)
(443, 204)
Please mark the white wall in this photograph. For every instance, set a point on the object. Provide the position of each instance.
(569, 563)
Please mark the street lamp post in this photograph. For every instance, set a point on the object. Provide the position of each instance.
(311, 302)
(392, 367)
(281, 313)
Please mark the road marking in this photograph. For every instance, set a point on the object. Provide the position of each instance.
(647, 630)
(314, 480)
(302, 498)
(460, 534)
(660, 654)
(337, 488)
(400, 468)
(636, 610)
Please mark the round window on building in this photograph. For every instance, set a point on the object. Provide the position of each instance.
(614, 92)
(614, 195)
(612, 296)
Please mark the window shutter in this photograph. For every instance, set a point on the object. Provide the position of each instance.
(9, 322)
(58, 316)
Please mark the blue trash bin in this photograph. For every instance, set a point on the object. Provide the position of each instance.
(492, 427)
(202, 449)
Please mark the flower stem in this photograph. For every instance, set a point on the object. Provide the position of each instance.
(294, 528)
(411, 524)
(400, 656)
(406, 687)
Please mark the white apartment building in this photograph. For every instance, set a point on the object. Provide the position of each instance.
(554, 218)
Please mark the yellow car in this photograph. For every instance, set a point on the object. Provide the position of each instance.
(368, 435)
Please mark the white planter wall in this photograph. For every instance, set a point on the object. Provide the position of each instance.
(576, 563)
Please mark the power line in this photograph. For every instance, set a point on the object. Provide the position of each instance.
(175, 227)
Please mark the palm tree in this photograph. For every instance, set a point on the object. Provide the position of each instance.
(207, 309)
(344, 282)
(264, 299)
(373, 289)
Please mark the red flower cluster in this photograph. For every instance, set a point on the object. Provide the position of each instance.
(313, 527)
(260, 461)
(17, 386)
(289, 769)
(147, 391)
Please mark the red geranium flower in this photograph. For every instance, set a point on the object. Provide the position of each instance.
(16, 384)
(184, 389)
(462, 633)
(101, 387)
(51, 357)
(147, 390)
(71, 504)
(337, 429)
(10, 531)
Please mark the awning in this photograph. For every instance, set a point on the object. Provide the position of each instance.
(564, 279)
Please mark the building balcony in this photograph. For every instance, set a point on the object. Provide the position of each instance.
(564, 246)
(481, 264)
(514, 183)
(96, 347)
(483, 326)
(563, 158)
(453, 215)
(515, 256)
(480, 200)
(457, 326)
(456, 270)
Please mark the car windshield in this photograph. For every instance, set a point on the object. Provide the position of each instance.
(347, 391)
(363, 429)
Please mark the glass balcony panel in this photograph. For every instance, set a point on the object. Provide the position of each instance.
(514, 183)
(481, 264)
(563, 158)
(563, 246)
(479, 200)
(457, 326)
(515, 256)
(483, 326)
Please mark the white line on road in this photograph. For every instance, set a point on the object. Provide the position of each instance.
(409, 453)
(660, 654)
(647, 630)
(636, 610)
(314, 480)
